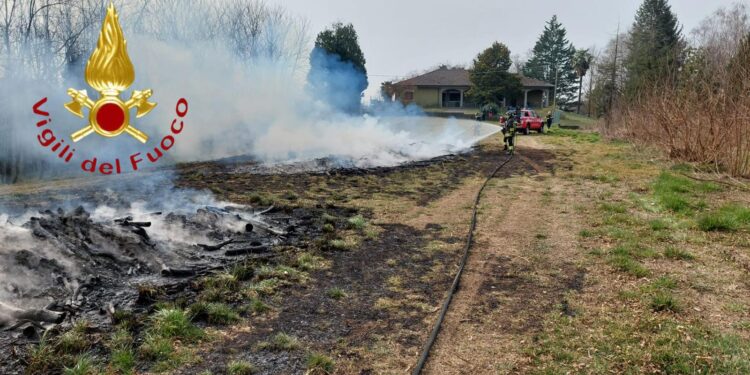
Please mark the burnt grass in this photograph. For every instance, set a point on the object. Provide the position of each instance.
(344, 328)
(341, 329)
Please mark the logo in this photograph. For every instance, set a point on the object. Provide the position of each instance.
(110, 71)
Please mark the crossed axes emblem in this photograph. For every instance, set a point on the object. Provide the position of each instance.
(109, 116)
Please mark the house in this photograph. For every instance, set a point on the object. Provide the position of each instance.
(447, 87)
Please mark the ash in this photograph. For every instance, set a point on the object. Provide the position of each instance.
(90, 260)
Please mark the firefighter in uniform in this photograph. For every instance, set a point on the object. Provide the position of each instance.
(509, 133)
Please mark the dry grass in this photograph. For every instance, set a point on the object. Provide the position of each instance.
(702, 119)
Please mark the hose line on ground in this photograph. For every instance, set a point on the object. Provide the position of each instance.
(454, 287)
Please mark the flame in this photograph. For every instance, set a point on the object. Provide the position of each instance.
(109, 69)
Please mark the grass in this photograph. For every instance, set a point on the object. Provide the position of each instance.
(728, 218)
(628, 265)
(680, 194)
(677, 254)
(613, 208)
(280, 341)
(319, 364)
(257, 306)
(576, 135)
(174, 323)
(309, 262)
(357, 222)
(240, 368)
(336, 293)
(340, 245)
(214, 313)
(84, 366)
(264, 287)
(123, 360)
(281, 272)
(74, 341)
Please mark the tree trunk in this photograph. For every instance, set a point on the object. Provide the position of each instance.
(580, 89)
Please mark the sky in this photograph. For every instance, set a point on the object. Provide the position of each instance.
(401, 37)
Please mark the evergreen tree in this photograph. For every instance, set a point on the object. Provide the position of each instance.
(337, 68)
(490, 77)
(655, 46)
(552, 60)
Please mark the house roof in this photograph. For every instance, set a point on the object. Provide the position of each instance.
(458, 77)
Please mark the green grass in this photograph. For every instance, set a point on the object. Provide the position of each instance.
(664, 301)
(174, 323)
(627, 264)
(156, 348)
(74, 341)
(84, 365)
(123, 360)
(281, 272)
(677, 254)
(257, 306)
(613, 207)
(214, 313)
(339, 245)
(336, 293)
(310, 262)
(729, 218)
(240, 368)
(265, 287)
(357, 222)
(280, 341)
(658, 224)
(319, 364)
(680, 194)
(224, 281)
(243, 272)
(577, 136)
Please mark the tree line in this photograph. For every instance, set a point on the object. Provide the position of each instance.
(553, 59)
(684, 93)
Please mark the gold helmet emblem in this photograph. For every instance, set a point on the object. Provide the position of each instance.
(110, 71)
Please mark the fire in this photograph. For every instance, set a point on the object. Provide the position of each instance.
(109, 68)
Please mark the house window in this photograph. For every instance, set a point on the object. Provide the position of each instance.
(408, 95)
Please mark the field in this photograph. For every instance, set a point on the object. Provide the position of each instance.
(591, 256)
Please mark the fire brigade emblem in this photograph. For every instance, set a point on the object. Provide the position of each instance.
(110, 71)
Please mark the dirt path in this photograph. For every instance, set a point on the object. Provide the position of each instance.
(520, 269)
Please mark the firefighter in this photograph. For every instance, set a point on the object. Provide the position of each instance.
(509, 133)
(549, 119)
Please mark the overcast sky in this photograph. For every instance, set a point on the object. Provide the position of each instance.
(399, 37)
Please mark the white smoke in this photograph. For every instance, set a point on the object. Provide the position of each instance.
(262, 111)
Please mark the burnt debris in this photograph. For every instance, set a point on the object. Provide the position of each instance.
(79, 264)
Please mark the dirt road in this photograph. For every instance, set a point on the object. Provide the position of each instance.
(520, 268)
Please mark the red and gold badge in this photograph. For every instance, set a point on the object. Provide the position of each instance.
(110, 71)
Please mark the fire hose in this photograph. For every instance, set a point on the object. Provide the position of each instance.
(454, 287)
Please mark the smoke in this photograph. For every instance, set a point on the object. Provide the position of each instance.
(336, 82)
(249, 100)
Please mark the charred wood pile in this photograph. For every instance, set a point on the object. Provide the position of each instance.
(59, 266)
